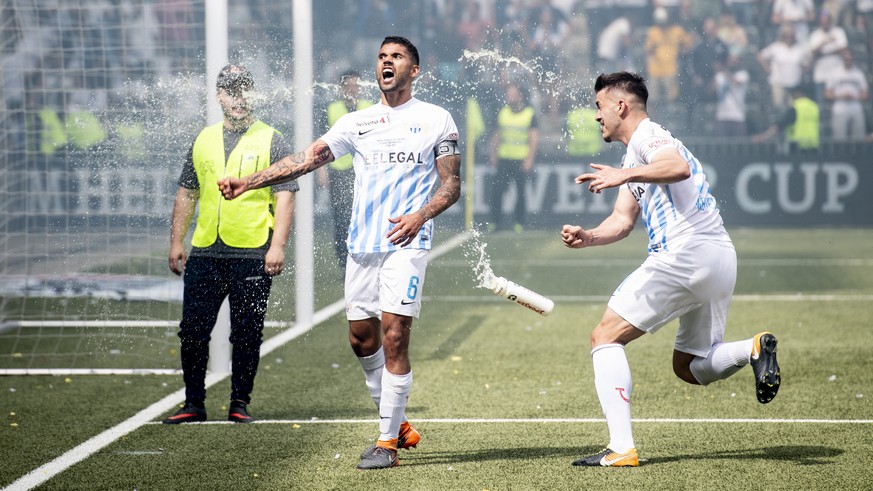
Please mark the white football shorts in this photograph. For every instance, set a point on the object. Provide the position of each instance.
(385, 282)
(694, 284)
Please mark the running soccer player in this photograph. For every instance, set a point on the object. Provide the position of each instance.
(400, 146)
(689, 273)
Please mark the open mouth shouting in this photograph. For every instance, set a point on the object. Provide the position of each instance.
(387, 75)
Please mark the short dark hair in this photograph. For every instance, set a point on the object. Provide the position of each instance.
(626, 81)
(235, 77)
(413, 51)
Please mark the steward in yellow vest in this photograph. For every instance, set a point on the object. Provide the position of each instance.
(238, 246)
(801, 124)
(583, 132)
(804, 131)
(513, 150)
(242, 223)
(52, 134)
(514, 132)
(84, 129)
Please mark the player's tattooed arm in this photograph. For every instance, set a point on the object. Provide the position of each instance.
(449, 170)
(293, 166)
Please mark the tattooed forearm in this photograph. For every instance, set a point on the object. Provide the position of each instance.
(292, 166)
(321, 153)
(449, 169)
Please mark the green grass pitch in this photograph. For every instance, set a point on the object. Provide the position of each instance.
(504, 398)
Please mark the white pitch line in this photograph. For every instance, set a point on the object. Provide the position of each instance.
(90, 371)
(776, 297)
(771, 262)
(147, 416)
(553, 420)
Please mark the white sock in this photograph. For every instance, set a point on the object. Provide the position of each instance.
(724, 360)
(392, 408)
(372, 366)
(612, 379)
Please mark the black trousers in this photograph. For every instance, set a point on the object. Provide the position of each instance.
(207, 282)
(508, 172)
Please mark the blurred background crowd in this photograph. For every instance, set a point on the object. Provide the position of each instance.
(126, 75)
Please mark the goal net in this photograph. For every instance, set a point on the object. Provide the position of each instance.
(100, 103)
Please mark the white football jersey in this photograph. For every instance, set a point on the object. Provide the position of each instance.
(394, 150)
(673, 214)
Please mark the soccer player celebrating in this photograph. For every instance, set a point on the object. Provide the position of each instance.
(689, 274)
(400, 147)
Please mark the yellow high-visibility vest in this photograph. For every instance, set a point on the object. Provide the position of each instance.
(583, 132)
(514, 133)
(805, 130)
(84, 129)
(52, 136)
(246, 221)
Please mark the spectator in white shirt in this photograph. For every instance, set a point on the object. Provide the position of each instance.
(825, 45)
(847, 87)
(784, 61)
(731, 87)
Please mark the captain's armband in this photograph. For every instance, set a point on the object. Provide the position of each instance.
(446, 147)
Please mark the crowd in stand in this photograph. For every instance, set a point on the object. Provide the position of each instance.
(722, 68)
(714, 68)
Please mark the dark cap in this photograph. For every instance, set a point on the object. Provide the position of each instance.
(235, 77)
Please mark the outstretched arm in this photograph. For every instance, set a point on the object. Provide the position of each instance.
(407, 226)
(614, 228)
(291, 167)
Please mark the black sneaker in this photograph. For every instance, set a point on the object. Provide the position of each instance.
(379, 458)
(190, 413)
(239, 413)
(763, 361)
(408, 438)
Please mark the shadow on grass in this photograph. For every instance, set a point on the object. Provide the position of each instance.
(798, 454)
(516, 453)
